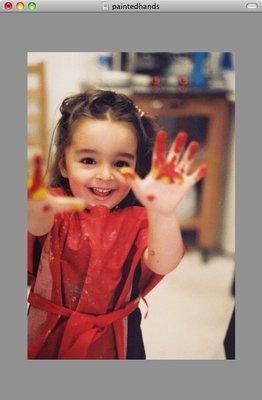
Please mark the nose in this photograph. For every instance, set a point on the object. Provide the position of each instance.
(104, 173)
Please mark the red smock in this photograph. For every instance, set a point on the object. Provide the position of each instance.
(80, 299)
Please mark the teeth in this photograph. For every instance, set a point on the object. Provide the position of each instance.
(102, 191)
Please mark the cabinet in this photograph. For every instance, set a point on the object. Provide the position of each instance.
(206, 118)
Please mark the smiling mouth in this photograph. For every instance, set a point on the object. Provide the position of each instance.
(101, 193)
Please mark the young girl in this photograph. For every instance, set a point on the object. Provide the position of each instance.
(102, 246)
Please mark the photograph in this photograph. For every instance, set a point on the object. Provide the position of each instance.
(131, 205)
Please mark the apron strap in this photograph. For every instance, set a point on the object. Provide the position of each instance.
(102, 320)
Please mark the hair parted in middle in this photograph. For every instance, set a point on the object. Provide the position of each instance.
(102, 105)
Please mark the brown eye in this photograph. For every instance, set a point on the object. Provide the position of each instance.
(121, 164)
(88, 161)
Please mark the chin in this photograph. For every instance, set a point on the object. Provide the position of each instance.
(106, 203)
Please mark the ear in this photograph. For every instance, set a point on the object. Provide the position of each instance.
(62, 167)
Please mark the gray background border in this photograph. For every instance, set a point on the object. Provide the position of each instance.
(148, 32)
(164, 6)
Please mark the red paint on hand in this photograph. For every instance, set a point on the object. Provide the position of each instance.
(37, 181)
(160, 148)
(202, 171)
(38, 171)
(46, 208)
(192, 149)
(167, 171)
(151, 197)
(180, 141)
(163, 170)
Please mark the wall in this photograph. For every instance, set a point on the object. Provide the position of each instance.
(64, 74)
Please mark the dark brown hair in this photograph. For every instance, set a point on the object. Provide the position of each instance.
(101, 105)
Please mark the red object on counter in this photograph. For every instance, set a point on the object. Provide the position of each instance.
(155, 81)
(183, 81)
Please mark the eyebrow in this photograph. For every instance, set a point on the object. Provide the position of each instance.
(126, 155)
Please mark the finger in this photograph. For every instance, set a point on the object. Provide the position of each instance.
(64, 204)
(199, 174)
(159, 152)
(177, 148)
(132, 179)
(165, 170)
(36, 190)
(37, 181)
(188, 157)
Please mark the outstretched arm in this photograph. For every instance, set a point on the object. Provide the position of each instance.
(42, 206)
(160, 192)
(165, 245)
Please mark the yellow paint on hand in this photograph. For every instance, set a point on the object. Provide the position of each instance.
(29, 183)
(165, 180)
(179, 180)
(155, 172)
(39, 194)
(79, 207)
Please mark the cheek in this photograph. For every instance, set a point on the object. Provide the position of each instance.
(79, 175)
(122, 183)
(125, 189)
(123, 192)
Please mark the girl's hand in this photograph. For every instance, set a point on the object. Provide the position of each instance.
(41, 201)
(168, 181)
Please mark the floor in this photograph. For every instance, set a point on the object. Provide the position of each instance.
(189, 310)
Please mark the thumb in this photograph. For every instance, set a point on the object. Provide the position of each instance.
(132, 179)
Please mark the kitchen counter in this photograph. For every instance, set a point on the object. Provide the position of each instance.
(179, 91)
(169, 91)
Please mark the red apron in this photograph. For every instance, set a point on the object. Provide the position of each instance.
(81, 295)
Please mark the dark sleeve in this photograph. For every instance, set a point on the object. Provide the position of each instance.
(34, 253)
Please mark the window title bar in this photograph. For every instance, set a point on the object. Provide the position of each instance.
(111, 6)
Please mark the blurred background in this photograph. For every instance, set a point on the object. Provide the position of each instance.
(193, 92)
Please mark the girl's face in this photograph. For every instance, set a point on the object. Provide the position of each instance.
(92, 161)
